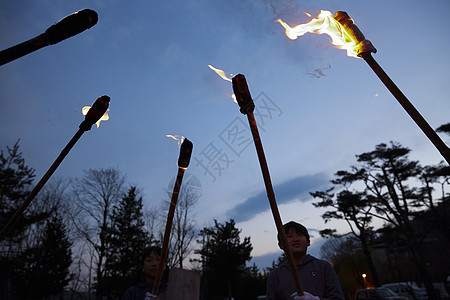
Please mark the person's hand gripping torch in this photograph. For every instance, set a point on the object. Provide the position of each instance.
(247, 106)
(364, 50)
(183, 163)
(97, 110)
(66, 28)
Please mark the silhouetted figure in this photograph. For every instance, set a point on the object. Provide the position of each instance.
(143, 290)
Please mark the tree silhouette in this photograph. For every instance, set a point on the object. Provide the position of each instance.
(444, 128)
(385, 175)
(97, 192)
(16, 180)
(436, 175)
(223, 257)
(49, 274)
(353, 207)
(126, 240)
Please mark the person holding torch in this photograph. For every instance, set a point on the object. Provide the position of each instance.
(318, 278)
(149, 267)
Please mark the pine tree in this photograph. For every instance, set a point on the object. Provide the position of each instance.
(50, 274)
(385, 176)
(16, 180)
(223, 258)
(127, 241)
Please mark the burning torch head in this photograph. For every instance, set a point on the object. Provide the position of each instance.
(71, 25)
(185, 153)
(364, 46)
(97, 110)
(242, 93)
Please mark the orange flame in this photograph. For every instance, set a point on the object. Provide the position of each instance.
(105, 116)
(224, 77)
(178, 138)
(324, 23)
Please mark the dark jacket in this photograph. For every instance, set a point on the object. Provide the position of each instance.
(317, 277)
(142, 290)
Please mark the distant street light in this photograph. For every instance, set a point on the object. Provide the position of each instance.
(364, 278)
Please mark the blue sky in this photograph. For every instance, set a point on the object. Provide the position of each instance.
(316, 107)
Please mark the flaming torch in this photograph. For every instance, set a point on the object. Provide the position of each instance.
(243, 98)
(346, 35)
(183, 163)
(93, 116)
(67, 27)
(247, 106)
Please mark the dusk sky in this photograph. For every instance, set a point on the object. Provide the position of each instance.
(316, 107)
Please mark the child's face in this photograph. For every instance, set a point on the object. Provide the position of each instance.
(297, 242)
(150, 266)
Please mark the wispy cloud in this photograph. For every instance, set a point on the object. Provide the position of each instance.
(285, 192)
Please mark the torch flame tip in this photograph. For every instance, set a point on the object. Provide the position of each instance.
(179, 138)
(220, 73)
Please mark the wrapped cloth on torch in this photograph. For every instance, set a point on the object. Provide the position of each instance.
(94, 114)
(363, 45)
(66, 28)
